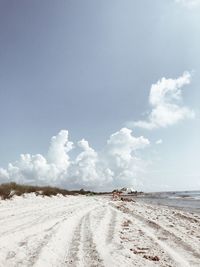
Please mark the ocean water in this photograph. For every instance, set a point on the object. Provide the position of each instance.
(185, 200)
(192, 195)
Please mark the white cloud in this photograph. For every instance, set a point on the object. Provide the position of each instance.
(115, 165)
(58, 150)
(119, 154)
(188, 3)
(158, 142)
(4, 176)
(166, 101)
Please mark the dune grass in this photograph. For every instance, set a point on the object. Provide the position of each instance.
(8, 190)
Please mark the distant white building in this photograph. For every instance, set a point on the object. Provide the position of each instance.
(127, 190)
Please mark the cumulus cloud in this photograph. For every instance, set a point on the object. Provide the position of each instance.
(115, 165)
(120, 156)
(166, 101)
(58, 150)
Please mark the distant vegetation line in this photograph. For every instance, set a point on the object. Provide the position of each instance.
(8, 190)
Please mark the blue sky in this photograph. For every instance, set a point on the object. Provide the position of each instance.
(88, 67)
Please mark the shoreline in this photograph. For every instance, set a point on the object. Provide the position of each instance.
(178, 200)
(180, 204)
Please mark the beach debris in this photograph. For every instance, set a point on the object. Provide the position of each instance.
(116, 195)
(127, 199)
(152, 258)
(126, 223)
(139, 250)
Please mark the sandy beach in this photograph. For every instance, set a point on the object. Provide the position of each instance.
(95, 231)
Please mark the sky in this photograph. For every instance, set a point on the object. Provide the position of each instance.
(100, 94)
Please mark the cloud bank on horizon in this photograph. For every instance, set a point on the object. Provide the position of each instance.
(115, 165)
(165, 98)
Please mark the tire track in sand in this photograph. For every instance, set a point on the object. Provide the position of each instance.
(83, 251)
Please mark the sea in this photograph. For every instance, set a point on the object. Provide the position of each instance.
(184, 200)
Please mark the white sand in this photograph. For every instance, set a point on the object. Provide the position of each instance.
(95, 231)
